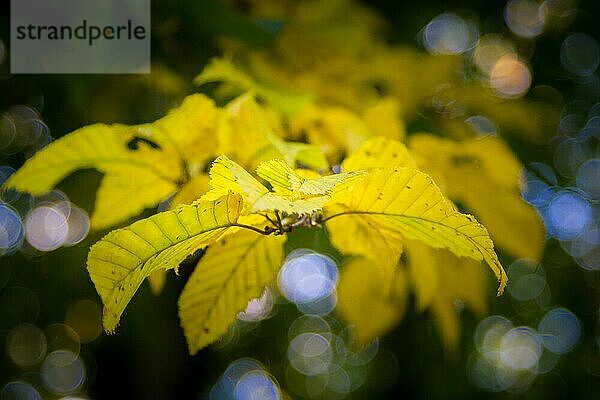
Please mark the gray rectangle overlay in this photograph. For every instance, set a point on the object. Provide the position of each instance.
(80, 36)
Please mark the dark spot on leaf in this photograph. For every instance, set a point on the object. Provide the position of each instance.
(367, 153)
(408, 187)
(134, 143)
(464, 160)
(206, 330)
(302, 135)
(379, 86)
(318, 123)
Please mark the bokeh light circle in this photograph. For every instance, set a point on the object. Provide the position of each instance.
(560, 330)
(568, 215)
(62, 372)
(256, 385)
(521, 348)
(46, 228)
(526, 280)
(580, 54)
(12, 231)
(448, 33)
(588, 177)
(524, 18)
(78, 227)
(19, 390)
(61, 337)
(26, 345)
(489, 333)
(310, 353)
(307, 277)
(510, 77)
(85, 318)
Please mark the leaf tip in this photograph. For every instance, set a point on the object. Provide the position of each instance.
(503, 279)
(109, 324)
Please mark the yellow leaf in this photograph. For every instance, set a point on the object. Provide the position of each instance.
(232, 272)
(228, 176)
(127, 192)
(361, 235)
(424, 274)
(454, 280)
(304, 154)
(384, 119)
(192, 128)
(335, 130)
(291, 184)
(390, 204)
(258, 141)
(140, 169)
(379, 152)
(245, 137)
(191, 191)
(513, 115)
(483, 174)
(119, 263)
(157, 281)
(222, 70)
(363, 303)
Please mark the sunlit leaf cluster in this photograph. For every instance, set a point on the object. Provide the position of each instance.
(298, 140)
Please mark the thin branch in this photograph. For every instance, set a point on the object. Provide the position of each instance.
(252, 228)
(269, 219)
(323, 220)
(279, 220)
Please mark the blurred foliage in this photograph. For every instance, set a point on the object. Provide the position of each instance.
(473, 109)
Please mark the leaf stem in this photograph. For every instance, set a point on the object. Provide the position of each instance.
(269, 219)
(252, 228)
(279, 221)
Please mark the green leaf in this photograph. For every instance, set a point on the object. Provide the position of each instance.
(390, 204)
(231, 272)
(119, 263)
